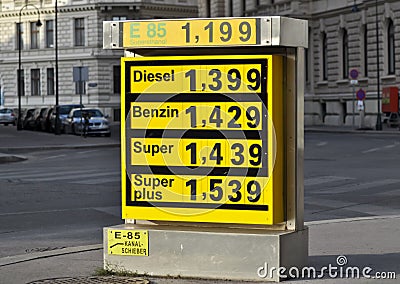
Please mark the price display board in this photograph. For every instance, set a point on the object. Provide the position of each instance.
(201, 139)
(191, 32)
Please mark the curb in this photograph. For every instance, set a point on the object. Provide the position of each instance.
(9, 260)
(4, 158)
(28, 149)
(351, 131)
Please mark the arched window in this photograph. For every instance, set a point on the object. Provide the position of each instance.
(324, 57)
(391, 53)
(345, 54)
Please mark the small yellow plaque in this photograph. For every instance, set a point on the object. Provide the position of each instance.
(128, 242)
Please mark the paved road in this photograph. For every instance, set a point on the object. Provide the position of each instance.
(348, 175)
(58, 199)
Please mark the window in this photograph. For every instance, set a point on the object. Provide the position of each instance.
(21, 77)
(35, 82)
(391, 46)
(324, 57)
(365, 50)
(119, 18)
(79, 32)
(34, 35)
(117, 79)
(20, 39)
(50, 33)
(80, 88)
(50, 81)
(345, 54)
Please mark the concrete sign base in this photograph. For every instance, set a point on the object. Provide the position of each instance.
(204, 252)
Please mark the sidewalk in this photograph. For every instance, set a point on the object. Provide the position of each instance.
(365, 242)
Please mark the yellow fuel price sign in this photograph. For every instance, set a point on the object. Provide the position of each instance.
(199, 133)
(197, 115)
(192, 32)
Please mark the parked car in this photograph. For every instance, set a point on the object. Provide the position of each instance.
(7, 116)
(44, 121)
(392, 120)
(37, 116)
(96, 122)
(28, 121)
(63, 111)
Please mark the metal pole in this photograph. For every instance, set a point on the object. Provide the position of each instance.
(19, 72)
(57, 122)
(378, 117)
(19, 121)
(354, 101)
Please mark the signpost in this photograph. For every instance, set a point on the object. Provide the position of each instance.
(353, 82)
(212, 145)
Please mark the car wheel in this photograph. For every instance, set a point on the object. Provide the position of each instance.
(73, 129)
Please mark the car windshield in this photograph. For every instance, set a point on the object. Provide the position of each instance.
(65, 109)
(5, 110)
(90, 112)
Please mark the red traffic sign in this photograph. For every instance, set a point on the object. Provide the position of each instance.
(353, 74)
(360, 94)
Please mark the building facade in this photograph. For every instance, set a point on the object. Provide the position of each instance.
(80, 44)
(342, 36)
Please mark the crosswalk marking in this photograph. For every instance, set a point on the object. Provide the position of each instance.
(25, 175)
(324, 179)
(360, 186)
(89, 177)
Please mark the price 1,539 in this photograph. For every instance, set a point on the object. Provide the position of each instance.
(226, 190)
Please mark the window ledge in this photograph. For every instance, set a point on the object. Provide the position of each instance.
(343, 82)
(363, 80)
(388, 77)
(322, 83)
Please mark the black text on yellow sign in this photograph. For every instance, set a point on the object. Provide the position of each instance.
(238, 78)
(197, 152)
(197, 115)
(128, 242)
(207, 32)
(200, 189)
